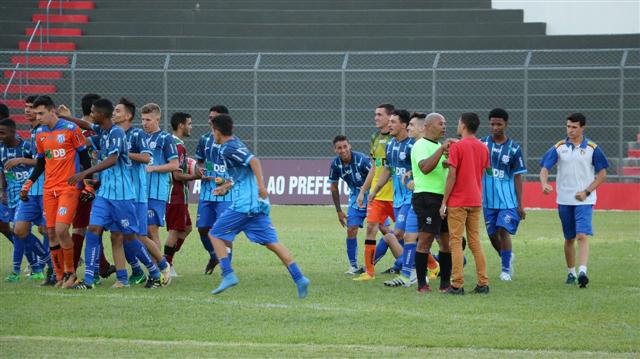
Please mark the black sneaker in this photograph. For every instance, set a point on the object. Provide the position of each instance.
(49, 279)
(211, 266)
(82, 286)
(153, 283)
(391, 271)
(481, 289)
(455, 291)
(583, 280)
(107, 273)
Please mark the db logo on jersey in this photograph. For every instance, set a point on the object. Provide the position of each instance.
(56, 153)
(62, 211)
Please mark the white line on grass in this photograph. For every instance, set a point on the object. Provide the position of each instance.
(312, 346)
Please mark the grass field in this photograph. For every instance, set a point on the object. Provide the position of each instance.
(536, 315)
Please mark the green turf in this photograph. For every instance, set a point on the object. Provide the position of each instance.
(535, 315)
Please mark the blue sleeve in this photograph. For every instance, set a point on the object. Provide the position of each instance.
(333, 173)
(517, 164)
(96, 128)
(199, 155)
(365, 165)
(599, 160)
(239, 154)
(95, 142)
(142, 143)
(116, 143)
(27, 150)
(169, 150)
(550, 158)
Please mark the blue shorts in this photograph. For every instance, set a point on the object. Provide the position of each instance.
(209, 212)
(401, 216)
(116, 216)
(575, 219)
(6, 214)
(141, 214)
(257, 227)
(356, 216)
(411, 225)
(31, 211)
(509, 219)
(155, 212)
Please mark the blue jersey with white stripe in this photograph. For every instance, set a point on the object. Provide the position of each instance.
(208, 151)
(137, 142)
(245, 188)
(399, 163)
(353, 174)
(37, 189)
(163, 149)
(115, 182)
(498, 183)
(18, 175)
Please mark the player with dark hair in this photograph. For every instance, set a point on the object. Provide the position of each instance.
(177, 217)
(58, 143)
(502, 189)
(582, 167)
(249, 212)
(210, 205)
(353, 168)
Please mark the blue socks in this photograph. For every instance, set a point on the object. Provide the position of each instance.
(206, 243)
(18, 253)
(295, 272)
(352, 251)
(142, 254)
(381, 250)
(505, 258)
(91, 256)
(121, 275)
(409, 255)
(132, 259)
(225, 266)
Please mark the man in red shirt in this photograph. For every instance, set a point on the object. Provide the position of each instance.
(462, 202)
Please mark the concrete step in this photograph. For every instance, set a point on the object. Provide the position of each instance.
(54, 31)
(47, 46)
(67, 5)
(631, 162)
(40, 60)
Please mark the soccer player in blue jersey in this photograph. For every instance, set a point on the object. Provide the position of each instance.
(210, 205)
(164, 161)
(398, 164)
(12, 147)
(582, 167)
(502, 189)
(249, 212)
(352, 167)
(113, 207)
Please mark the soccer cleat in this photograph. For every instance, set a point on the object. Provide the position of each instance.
(364, 277)
(432, 273)
(173, 272)
(49, 281)
(455, 291)
(398, 281)
(424, 289)
(444, 289)
(303, 287)
(82, 286)
(137, 278)
(153, 283)
(230, 280)
(571, 279)
(58, 284)
(118, 284)
(69, 280)
(96, 279)
(108, 272)
(355, 271)
(391, 270)
(166, 276)
(583, 280)
(504, 276)
(36, 276)
(211, 266)
(481, 289)
(12, 278)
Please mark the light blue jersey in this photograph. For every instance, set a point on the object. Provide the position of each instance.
(163, 149)
(18, 175)
(208, 151)
(353, 174)
(498, 187)
(245, 188)
(399, 163)
(115, 182)
(37, 189)
(137, 142)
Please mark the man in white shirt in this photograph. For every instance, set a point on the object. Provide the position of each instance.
(581, 169)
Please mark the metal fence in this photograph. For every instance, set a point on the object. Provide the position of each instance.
(290, 105)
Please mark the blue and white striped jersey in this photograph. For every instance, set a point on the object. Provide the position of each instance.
(354, 174)
(208, 151)
(115, 182)
(498, 186)
(163, 149)
(137, 143)
(18, 175)
(37, 189)
(245, 188)
(399, 163)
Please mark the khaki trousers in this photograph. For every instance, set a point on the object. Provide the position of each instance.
(459, 218)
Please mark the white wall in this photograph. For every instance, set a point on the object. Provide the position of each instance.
(579, 17)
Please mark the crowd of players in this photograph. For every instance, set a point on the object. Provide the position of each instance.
(126, 180)
(435, 189)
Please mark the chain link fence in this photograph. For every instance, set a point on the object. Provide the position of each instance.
(291, 105)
